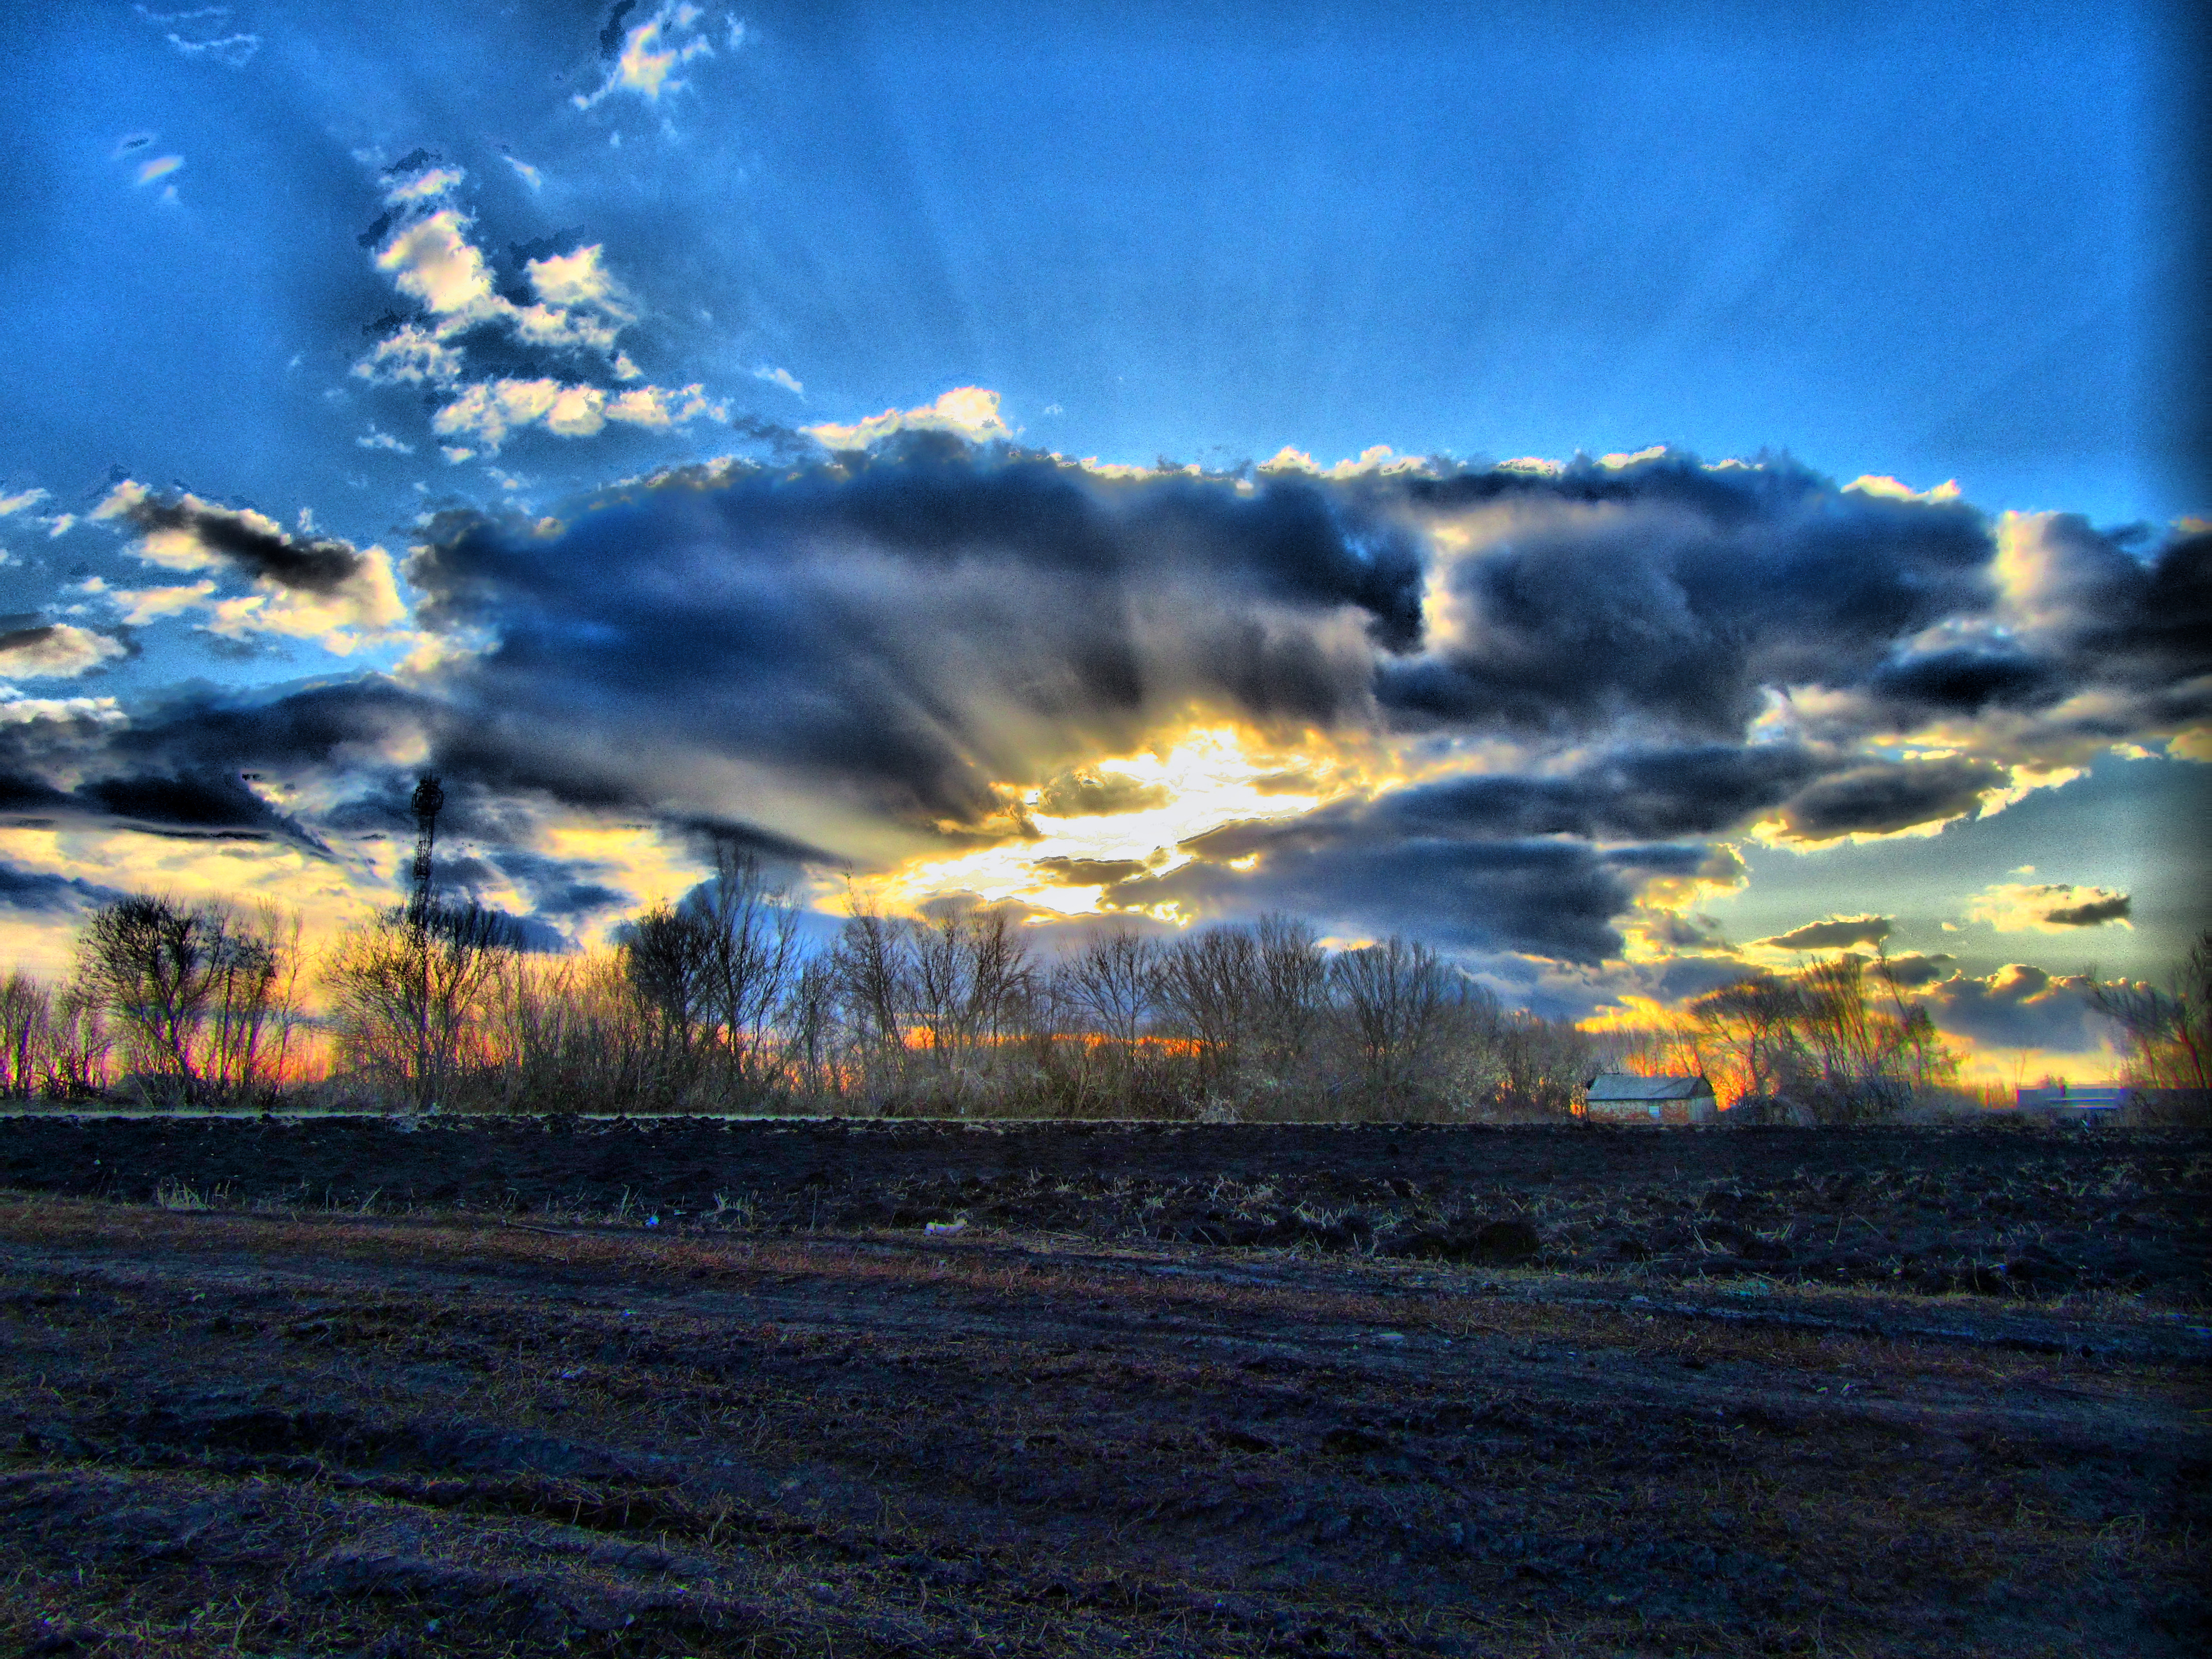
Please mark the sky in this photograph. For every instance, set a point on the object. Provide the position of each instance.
(1631, 496)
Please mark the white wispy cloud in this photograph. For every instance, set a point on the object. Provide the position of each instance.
(653, 51)
(782, 376)
(205, 32)
(490, 411)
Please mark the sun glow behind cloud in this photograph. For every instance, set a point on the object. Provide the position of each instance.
(1208, 777)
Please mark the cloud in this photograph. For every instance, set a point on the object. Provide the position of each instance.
(433, 261)
(160, 167)
(55, 651)
(1534, 704)
(492, 410)
(186, 533)
(1915, 968)
(1088, 793)
(917, 629)
(44, 892)
(2021, 1006)
(782, 376)
(19, 499)
(970, 411)
(205, 32)
(2047, 906)
(1544, 898)
(1836, 933)
(1665, 593)
(305, 587)
(1885, 797)
(646, 62)
(189, 804)
(579, 312)
(1638, 792)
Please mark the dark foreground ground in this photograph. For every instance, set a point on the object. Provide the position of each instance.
(2001, 1212)
(283, 1426)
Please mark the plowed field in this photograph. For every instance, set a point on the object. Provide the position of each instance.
(336, 1388)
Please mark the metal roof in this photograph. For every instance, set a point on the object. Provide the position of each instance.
(1624, 1086)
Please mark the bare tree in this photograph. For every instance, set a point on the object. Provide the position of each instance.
(1108, 986)
(872, 966)
(1206, 985)
(26, 1013)
(1819, 1037)
(1290, 990)
(2168, 1032)
(198, 992)
(79, 1043)
(1395, 997)
(752, 933)
(408, 990)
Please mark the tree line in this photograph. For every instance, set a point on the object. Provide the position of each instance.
(720, 1003)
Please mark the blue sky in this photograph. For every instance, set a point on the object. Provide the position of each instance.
(401, 284)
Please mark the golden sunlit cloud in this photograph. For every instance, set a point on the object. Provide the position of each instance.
(1207, 778)
(2047, 907)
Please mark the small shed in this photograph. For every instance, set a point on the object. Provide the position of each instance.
(1623, 1097)
(2064, 1102)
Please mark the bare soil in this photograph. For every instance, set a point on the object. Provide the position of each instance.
(339, 1389)
(2015, 1212)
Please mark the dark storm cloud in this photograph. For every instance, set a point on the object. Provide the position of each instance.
(911, 636)
(1547, 898)
(1836, 933)
(2092, 913)
(910, 631)
(1888, 796)
(2143, 621)
(191, 805)
(2021, 1006)
(562, 887)
(1635, 794)
(1965, 681)
(1673, 592)
(38, 891)
(312, 564)
(185, 805)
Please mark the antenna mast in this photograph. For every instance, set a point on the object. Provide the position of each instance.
(428, 797)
